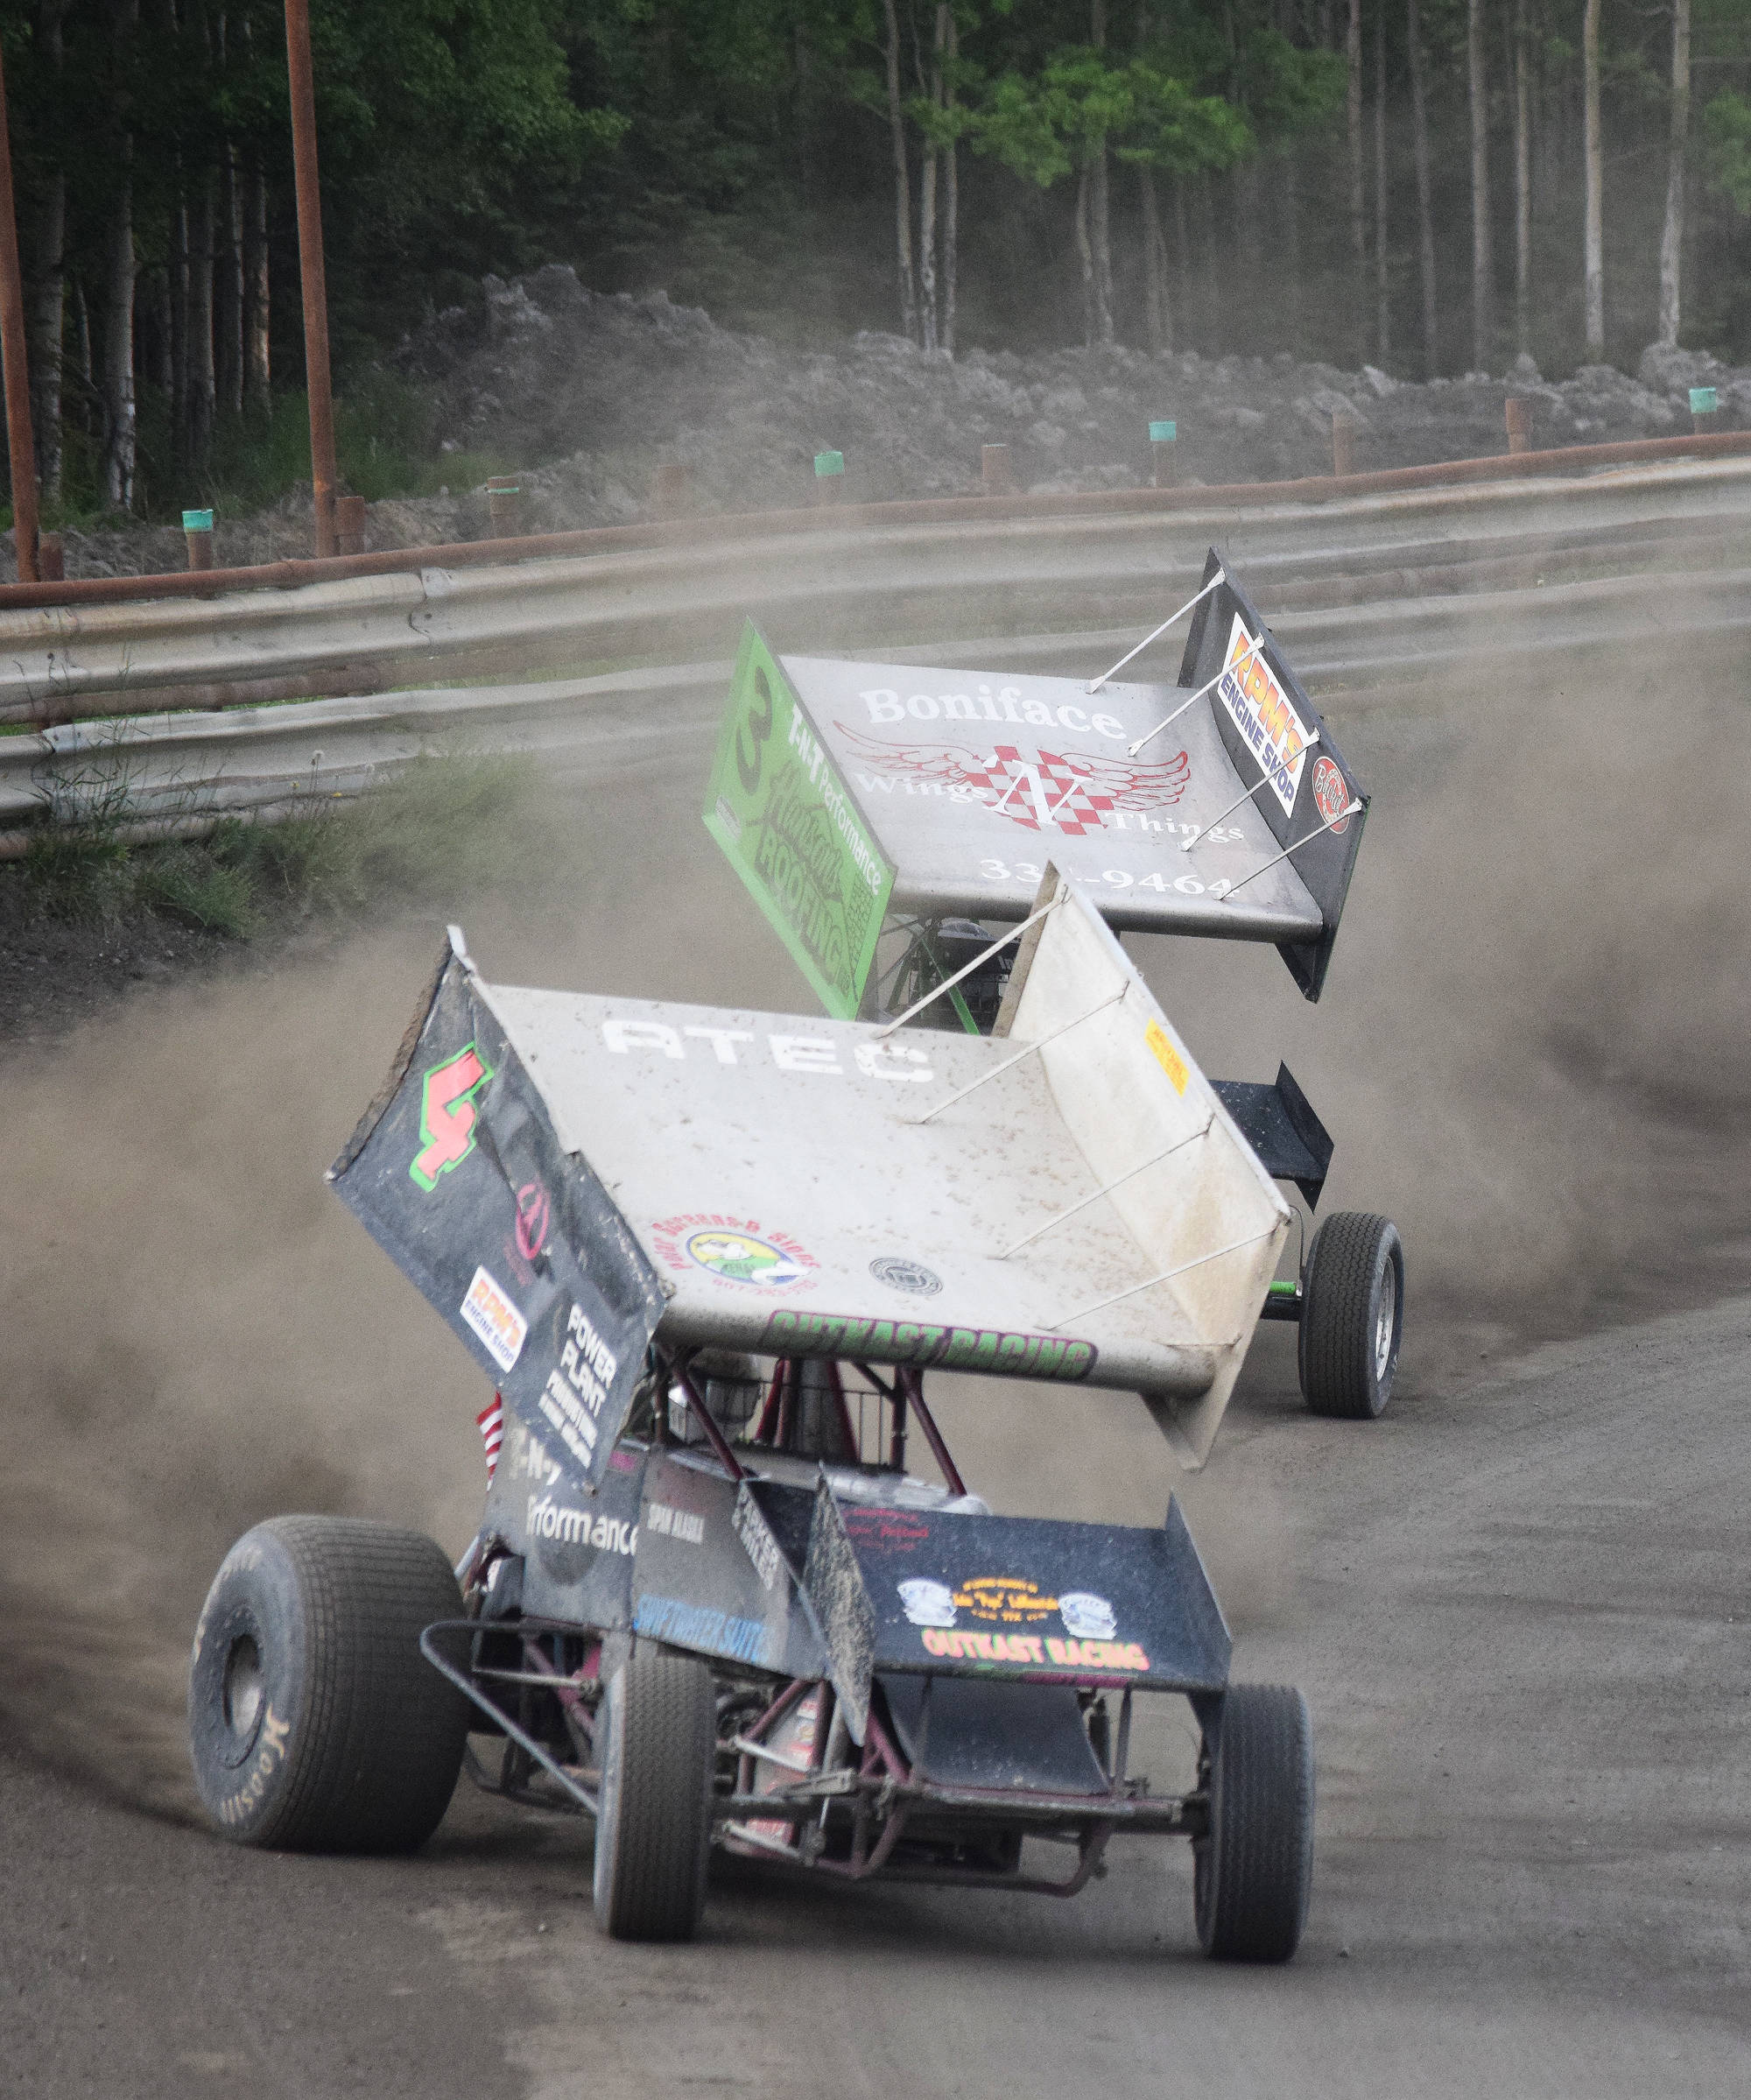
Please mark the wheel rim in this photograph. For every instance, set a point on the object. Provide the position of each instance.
(241, 1690)
(1385, 1320)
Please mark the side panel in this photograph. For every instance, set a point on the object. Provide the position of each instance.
(458, 1174)
(1271, 728)
(708, 1575)
(791, 829)
(576, 1549)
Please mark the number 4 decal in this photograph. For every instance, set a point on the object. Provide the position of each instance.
(448, 1114)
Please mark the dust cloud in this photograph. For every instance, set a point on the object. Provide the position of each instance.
(1531, 1051)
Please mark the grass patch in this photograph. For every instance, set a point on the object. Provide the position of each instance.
(446, 828)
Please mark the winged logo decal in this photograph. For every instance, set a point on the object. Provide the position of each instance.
(1067, 791)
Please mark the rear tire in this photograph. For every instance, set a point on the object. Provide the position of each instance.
(656, 1742)
(315, 1724)
(1352, 1316)
(1253, 1872)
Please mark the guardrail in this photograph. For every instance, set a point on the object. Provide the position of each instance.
(168, 773)
(856, 578)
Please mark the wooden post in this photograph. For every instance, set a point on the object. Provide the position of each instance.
(349, 524)
(504, 504)
(197, 530)
(996, 477)
(1343, 445)
(311, 269)
(1519, 414)
(1164, 437)
(19, 441)
(829, 477)
(669, 489)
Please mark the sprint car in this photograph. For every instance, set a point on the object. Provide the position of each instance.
(880, 815)
(730, 1589)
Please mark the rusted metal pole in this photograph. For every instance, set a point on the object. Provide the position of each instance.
(19, 441)
(311, 269)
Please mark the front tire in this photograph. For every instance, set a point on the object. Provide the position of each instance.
(315, 1724)
(1252, 1869)
(1352, 1316)
(656, 1749)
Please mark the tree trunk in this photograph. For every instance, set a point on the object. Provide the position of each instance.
(256, 372)
(1483, 287)
(1522, 180)
(81, 354)
(1085, 256)
(1672, 234)
(1593, 231)
(1353, 59)
(1101, 230)
(1182, 241)
(232, 304)
(119, 413)
(45, 316)
(927, 312)
(48, 301)
(1157, 314)
(179, 433)
(201, 387)
(903, 188)
(1290, 197)
(1381, 271)
(163, 332)
(1425, 215)
(951, 195)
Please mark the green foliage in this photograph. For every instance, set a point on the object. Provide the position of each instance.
(446, 828)
(1726, 143)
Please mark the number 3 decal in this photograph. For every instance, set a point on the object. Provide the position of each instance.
(761, 728)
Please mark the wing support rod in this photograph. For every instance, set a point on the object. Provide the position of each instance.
(1296, 848)
(1008, 1063)
(1282, 766)
(1156, 637)
(1197, 1262)
(1168, 720)
(968, 968)
(1040, 1231)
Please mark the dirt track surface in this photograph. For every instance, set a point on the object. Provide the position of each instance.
(1518, 1605)
(1518, 1612)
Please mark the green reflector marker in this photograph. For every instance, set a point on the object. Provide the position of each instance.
(1164, 434)
(1284, 1290)
(829, 463)
(197, 521)
(1703, 401)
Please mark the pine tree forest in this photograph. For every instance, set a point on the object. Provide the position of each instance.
(1427, 186)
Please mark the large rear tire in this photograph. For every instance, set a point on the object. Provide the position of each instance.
(655, 1747)
(1352, 1316)
(1253, 1872)
(314, 1723)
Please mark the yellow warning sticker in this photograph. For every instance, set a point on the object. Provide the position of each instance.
(1166, 1056)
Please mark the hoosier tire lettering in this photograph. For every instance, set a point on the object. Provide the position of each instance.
(315, 1724)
